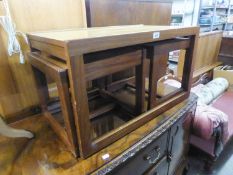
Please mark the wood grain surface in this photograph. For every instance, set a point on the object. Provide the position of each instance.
(47, 155)
(208, 47)
(122, 12)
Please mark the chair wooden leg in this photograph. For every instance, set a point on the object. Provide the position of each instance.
(208, 166)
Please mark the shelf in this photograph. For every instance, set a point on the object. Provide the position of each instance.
(217, 24)
(211, 7)
(222, 7)
(177, 15)
(207, 7)
(205, 24)
(205, 69)
(218, 14)
(207, 16)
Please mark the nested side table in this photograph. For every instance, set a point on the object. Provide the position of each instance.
(96, 65)
(92, 53)
(57, 71)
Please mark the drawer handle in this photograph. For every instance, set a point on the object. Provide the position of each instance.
(177, 129)
(153, 156)
(169, 157)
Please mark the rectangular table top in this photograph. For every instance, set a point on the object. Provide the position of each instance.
(85, 40)
(96, 32)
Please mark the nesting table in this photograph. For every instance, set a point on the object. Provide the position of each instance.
(73, 57)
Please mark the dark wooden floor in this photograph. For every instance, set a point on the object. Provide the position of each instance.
(223, 166)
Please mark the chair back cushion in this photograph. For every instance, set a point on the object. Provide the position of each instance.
(209, 92)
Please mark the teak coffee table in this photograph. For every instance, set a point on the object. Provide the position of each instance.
(74, 57)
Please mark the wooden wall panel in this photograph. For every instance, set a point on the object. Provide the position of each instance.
(7, 87)
(208, 47)
(127, 12)
(47, 14)
(17, 87)
(6, 79)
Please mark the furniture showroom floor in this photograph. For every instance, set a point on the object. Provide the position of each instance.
(223, 166)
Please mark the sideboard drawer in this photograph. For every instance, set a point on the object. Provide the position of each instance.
(161, 168)
(145, 159)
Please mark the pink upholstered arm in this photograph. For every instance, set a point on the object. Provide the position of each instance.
(207, 119)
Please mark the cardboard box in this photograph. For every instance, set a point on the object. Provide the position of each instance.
(228, 74)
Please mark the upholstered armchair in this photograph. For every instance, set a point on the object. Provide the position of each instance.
(212, 126)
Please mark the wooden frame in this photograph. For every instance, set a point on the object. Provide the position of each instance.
(74, 44)
(158, 51)
(42, 67)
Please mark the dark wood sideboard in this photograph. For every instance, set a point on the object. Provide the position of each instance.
(135, 153)
(163, 151)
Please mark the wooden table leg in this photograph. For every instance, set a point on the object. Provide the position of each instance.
(140, 85)
(158, 64)
(80, 104)
(66, 108)
(188, 64)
